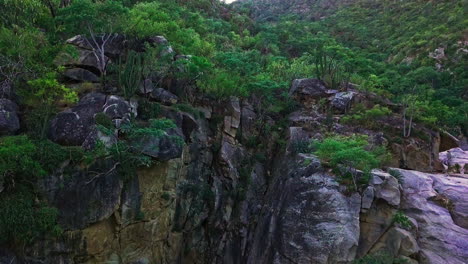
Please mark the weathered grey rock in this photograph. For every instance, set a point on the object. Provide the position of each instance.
(248, 121)
(455, 189)
(233, 118)
(80, 74)
(163, 44)
(85, 197)
(165, 147)
(146, 87)
(118, 108)
(455, 160)
(367, 198)
(306, 218)
(342, 101)
(374, 222)
(76, 126)
(9, 120)
(386, 187)
(397, 242)
(441, 240)
(299, 140)
(163, 96)
(313, 88)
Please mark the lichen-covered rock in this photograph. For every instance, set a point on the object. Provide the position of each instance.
(76, 126)
(342, 101)
(306, 219)
(9, 121)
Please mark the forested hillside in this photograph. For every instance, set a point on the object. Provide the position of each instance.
(181, 131)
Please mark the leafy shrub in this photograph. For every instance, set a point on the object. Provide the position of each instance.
(148, 110)
(347, 155)
(367, 117)
(103, 120)
(401, 219)
(23, 220)
(379, 258)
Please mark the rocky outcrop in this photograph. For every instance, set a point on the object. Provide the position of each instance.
(161, 147)
(9, 120)
(306, 219)
(85, 197)
(428, 199)
(455, 160)
(81, 75)
(342, 101)
(76, 126)
(305, 89)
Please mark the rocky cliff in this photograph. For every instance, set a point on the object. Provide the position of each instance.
(233, 193)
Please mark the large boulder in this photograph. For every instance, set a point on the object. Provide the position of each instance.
(342, 101)
(81, 75)
(440, 238)
(85, 197)
(163, 147)
(455, 160)
(76, 126)
(9, 121)
(163, 96)
(306, 219)
(306, 89)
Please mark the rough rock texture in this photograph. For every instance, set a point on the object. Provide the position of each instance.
(163, 96)
(163, 148)
(342, 101)
(455, 160)
(308, 88)
(440, 239)
(9, 121)
(81, 75)
(85, 197)
(76, 126)
(307, 219)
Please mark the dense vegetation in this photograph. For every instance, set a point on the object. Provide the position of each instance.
(382, 47)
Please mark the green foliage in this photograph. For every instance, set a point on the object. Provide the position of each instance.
(104, 120)
(222, 84)
(17, 160)
(148, 110)
(43, 95)
(346, 155)
(401, 219)
(22, 219)
(379, 258)
(81, 16)
(130, 73)
(397, 174)
(367, 117)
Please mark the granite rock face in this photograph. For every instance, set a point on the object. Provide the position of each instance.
(307, 219)
(427, 199)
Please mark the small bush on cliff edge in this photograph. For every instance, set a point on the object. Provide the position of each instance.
(351, 158)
